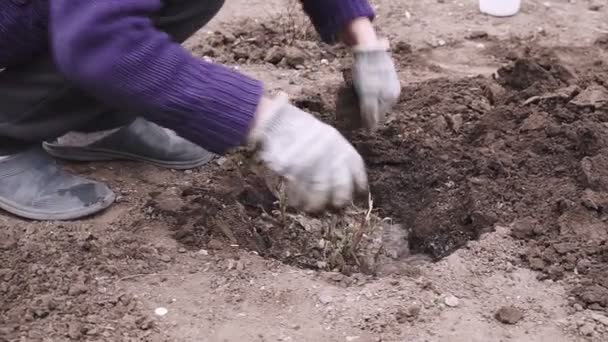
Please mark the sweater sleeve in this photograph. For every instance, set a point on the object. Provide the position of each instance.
(111, 49)
(329, 17)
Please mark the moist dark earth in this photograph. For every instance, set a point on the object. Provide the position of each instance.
(527, 147)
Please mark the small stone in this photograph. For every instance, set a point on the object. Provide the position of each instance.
(92, 332)
(221, 161)
(477, 35)
(76, 290)
(325, 299)
(451, 301)
(509, 315)
(294, 57)
(587, 329)
(165, 258)
(352, 338)
(203, 252)
(456, 122)
(215, 244)
(275, 55)
(229, 38)
(181, 250)
(160, 311)
(577, 307)
(401, 316)
(295, 326)
(436, 42)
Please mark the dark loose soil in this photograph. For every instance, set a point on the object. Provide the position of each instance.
(527, 149)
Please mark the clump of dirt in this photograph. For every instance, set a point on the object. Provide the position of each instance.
(69, 275)
(509, 315)
(535, 76)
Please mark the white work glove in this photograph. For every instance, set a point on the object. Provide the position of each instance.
(320, 166)
(376, 82)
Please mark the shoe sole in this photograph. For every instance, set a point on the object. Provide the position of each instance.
(87, 154)
(23, 212)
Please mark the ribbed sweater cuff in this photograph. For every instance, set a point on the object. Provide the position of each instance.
(331, 18)
(215, 106)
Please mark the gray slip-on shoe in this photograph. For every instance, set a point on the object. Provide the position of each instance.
(32, 186)
(141, 141)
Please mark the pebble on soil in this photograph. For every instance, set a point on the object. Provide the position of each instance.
(509, 315)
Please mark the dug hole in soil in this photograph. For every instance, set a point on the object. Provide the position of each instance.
(527, 148)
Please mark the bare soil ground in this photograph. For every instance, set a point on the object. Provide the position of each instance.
(487, 220)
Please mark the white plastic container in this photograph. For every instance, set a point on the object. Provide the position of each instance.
(500, 8)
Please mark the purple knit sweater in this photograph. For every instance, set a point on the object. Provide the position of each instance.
(111, 49)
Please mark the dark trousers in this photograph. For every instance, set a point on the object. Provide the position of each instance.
(37, 103)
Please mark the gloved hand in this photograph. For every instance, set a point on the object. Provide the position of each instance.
(376, 82)
(320, 166)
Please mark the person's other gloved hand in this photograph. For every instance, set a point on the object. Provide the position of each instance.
(321, 167)
(375, 81)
